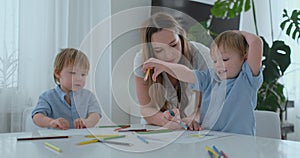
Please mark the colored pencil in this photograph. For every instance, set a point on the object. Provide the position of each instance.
(212, 151)
(155, 131)
(112, 126)
(122, 127)
(53, 147)
(103, 141)
(133, 130)
(38, 138)
(100, 135)
(142, 139)
(182, 124)
(147, 74)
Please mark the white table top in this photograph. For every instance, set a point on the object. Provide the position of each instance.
(177, 144)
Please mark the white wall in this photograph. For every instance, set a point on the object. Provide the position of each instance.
(124, 39)
(91, 32)
(262, 9)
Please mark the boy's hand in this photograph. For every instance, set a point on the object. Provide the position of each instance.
(59, 123)
(79, 123)
(192, 124)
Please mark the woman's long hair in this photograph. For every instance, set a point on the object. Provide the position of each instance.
(156, 23)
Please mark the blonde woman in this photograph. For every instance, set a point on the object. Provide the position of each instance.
(163, 38)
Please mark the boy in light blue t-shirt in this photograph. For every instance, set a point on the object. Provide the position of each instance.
(230, 89)
(68, 105)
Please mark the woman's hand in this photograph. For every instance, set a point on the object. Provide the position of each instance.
(173, 125)
(155, 64)
(172, 115)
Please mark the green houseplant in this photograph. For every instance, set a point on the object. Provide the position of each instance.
(276, 58)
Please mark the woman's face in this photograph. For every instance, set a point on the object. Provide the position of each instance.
(166, 46)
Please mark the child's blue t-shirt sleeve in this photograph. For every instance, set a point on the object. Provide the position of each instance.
(254, 81)
(42, 107)
(201, 80)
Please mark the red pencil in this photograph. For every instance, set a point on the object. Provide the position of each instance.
(122, 127)
(223, 154)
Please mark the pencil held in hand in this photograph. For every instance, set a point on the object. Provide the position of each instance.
(182, 124)
(147, 74)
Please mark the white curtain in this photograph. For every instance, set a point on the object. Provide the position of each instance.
(35, 31)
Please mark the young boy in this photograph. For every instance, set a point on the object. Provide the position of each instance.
(68, 105)
(230, 90)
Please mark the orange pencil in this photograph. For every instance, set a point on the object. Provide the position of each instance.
(147, 74)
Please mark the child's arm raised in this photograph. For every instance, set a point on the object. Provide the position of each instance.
(255, 51)
(178, 71)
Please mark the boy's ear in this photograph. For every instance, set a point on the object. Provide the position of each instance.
(245, 57)
(56, 73)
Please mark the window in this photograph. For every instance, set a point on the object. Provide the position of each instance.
(9, 43)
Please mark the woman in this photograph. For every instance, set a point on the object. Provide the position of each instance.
(163, 38)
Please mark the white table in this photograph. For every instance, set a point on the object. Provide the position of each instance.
(184, 146)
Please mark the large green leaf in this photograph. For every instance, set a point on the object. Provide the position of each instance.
(228, 9)
(276, 60)
(270, 96)
(292, 23)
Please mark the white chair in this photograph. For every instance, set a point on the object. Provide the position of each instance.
(28, 125)
(267, 124)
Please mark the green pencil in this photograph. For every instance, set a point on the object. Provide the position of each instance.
(155, 131)
(113, 137)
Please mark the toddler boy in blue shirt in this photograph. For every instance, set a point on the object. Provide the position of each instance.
(229, 91)
(68, 105)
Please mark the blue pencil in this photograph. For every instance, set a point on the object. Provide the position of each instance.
(142, 139)
(180, 122)
(217, 150)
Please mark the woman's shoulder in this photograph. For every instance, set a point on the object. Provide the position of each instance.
(200, 56)
(139, 55)
(138, 59)
(198, 47)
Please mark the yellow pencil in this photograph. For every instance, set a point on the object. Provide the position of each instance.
(88, 142)
(214, 153)
(147, 74)
(53, 147)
